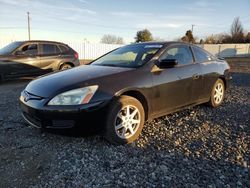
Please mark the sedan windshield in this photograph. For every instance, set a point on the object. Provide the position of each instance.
(131, 56)
(9, 48)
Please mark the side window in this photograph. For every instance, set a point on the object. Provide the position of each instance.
(49, 49)
(30, 49)
(182, 54)
(201, 55)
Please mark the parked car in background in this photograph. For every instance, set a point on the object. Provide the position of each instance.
(28, 58)
(125, 88)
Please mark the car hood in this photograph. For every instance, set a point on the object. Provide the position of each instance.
(4, 58)
(55, 83)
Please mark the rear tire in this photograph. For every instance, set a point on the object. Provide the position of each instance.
(65, 66)
(124, 121)
(217, 94)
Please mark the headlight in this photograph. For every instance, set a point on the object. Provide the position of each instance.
(74, 97)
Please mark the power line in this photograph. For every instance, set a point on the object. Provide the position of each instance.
(13, 27)
(220, 24)
(28, 14)
(124, 27)
(81, 23)
(193, 28)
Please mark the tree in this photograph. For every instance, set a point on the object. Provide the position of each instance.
(184, 39)
(237, 31)
(236, 35)
(112, 39)
(143, 36)
(119, 40)
(210, 40)
(247, 38)
(226, 39)
(217, 38)
(188, 37)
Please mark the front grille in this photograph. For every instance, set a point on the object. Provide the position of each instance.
(29, 96)
(63, 123)
(36, 122)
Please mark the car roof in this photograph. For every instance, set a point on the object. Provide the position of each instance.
(42, 41)
(166, 43)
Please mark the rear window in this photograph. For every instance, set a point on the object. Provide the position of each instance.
(63, 48)
(50, 49)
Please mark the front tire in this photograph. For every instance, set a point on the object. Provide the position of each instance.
(217, 94)
(125, 120)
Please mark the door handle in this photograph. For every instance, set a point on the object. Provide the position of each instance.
(195, 76)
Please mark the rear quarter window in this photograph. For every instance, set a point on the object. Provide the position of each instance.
(201, 55)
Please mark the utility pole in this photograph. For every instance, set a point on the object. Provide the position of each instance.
(28, 24)
(193, 27)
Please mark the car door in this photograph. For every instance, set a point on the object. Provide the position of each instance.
(50, 56)
(206, 62)
(24, 60)
(174, 87)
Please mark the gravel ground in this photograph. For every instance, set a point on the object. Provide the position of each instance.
(196, 147)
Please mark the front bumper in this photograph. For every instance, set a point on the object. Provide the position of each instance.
(228, 78)
(36, 114)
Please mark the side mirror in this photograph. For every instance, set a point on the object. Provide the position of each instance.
(167, 63)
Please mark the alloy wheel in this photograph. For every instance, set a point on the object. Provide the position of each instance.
(127, 122)
(66, 66)
(218, 93)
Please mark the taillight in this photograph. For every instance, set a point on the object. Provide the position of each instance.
(76, 55)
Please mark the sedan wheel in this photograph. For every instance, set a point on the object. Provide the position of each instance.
(125, 120)
(65, 67)
(217, 94)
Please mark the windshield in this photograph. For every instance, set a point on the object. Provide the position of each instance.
(9, 48)
(131, 56)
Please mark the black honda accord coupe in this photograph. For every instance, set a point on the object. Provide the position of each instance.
(126, 87)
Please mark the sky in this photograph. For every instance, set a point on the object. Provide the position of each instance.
(89, 20)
